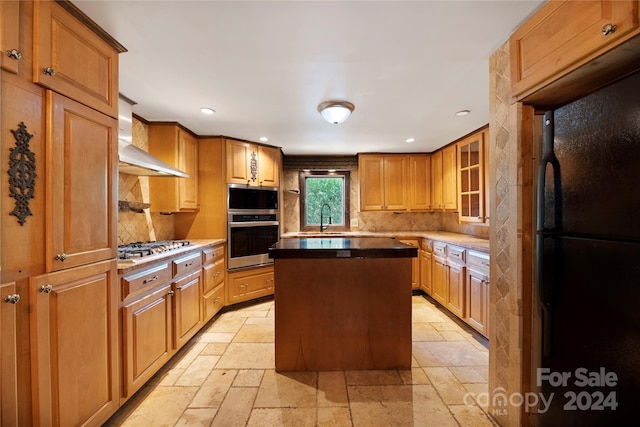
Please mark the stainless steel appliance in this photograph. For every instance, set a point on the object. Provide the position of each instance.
(588, 247)
(145, 251)
(253, 225)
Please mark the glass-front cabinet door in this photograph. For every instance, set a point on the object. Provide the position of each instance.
(471, 178)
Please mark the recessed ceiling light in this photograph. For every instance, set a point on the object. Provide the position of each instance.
(462, 112)
(206, 110)
(263, 139)
(410, 140)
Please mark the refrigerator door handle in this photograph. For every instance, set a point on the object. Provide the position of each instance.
(549, 158)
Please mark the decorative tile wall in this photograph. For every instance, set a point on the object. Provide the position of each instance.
(140, 227)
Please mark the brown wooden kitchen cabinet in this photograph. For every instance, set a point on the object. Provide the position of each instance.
(415, 263)
(10, 36)
(444, 179)
(383, 182)
(477, 297)
(426, 266)
(177, 147)
(8, 361)
(471, 182)
(73, 60)
(564, 35)
(245, 285)
(147, 325)
(420, 182)
(448, 280)
(252, 164)
(187, 299)
(74, 353)
(80, 184)
(439, 279)
(213, 275)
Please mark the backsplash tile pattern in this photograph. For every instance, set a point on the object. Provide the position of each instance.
(140, 227)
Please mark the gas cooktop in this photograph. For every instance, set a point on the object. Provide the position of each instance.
(132, 252)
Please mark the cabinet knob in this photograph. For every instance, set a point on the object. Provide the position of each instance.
(171, 293)
(216, 274)
(49, 71)
(45, 289)
(14, 54)
(608, 29)
(12, 299)
(61, 257)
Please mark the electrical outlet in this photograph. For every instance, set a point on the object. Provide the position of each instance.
(354, 222)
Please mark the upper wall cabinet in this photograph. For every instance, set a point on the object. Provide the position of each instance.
(443, 179)
(471, 183)
(71, 59)
(420, 179)
(564, 35)
(252, 164)
(177, 147)
(383, 182)
(10, 54)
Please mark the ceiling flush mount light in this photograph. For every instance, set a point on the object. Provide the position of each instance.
(462, 113)
(263, 139)
(336, 111)
(206, 110)
(410, 140)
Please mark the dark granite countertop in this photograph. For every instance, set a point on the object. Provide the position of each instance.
(342, 247)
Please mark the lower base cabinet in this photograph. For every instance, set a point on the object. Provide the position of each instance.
(187, 303)
(213, 275)
(8, 361)
(439, 280)
(74, 337)
(477, 303)
(455, 289)
(426, 276)
(245, 285)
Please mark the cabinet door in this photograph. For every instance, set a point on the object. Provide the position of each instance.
(81, 218)
(187, 302)
(371, 175)
(10, 36)
(415, 264)
(477, 300)
(187, 162)
(563, 35)
(146, 337)
(487, 172)
(449, 178)
(268, 166)
(73, 60)
(239, 162)
(8, 361)
(420, 182)
(74, 336)
(440, 277)
(471, 179)
(436, 180)
(395, 183)
(426, 272)
(455, 289)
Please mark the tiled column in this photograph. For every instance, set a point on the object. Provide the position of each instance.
(506, 244)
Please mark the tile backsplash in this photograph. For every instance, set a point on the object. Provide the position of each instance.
(140, 227)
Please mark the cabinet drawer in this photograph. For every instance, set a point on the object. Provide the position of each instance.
(250, 286)
(213, 275)
(440, 249)
(456, 254)
(427, 245)
(213, 302)
(186, 264)
(212, 254)
(478, 259)
(139, 281)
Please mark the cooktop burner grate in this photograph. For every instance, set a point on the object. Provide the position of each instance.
(143, 249)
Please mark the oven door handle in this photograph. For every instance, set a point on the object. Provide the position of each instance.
(253, 224)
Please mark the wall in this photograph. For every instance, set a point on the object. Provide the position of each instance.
(376, 221)
(146, 226)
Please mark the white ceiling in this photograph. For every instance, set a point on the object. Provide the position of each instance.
(264, 66)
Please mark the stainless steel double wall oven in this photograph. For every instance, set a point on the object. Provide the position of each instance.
(253, 225)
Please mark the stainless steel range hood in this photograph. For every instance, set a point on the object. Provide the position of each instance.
(134, 160)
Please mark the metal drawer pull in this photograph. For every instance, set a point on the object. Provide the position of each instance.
(49, 71)
(189, 264)
(12, 299)
(216, 300)
(486, 264)
(45, 289)
(14, 54)
(243, 286)
(153, 279)
(608, 29)
(61, 257)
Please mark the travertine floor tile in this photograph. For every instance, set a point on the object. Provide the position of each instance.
(447, 386)
(198, 371)
(288, 389)
(236, 408)
(209, 337)
(249, 313)
(242, 355)
(226, 324)
(214, 389)
(449, 353)
(334, 417)
(332, 389)
(248, 378)
(299, 417)
(470, 416)
(215, 348)
(414, 376)
(256, 333)
(425, 332)
(373, 377)
(467, 374)
(197, 417)
(162, 407)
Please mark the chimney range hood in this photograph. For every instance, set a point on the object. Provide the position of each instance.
(134, 160)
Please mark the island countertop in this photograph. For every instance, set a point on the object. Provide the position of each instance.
(342, 247)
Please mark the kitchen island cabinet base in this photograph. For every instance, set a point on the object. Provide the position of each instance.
(342, 314)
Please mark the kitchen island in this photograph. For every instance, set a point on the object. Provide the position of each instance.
(342, 303)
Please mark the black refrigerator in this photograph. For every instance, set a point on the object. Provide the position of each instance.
(588, 261)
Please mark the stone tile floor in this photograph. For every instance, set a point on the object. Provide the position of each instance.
(225, 377)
